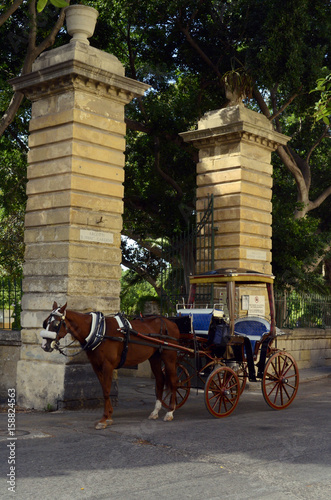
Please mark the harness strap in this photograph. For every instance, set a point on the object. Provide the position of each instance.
(122, 321)
(125, 327)
(97, 332)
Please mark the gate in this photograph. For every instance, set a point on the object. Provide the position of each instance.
(191, 252)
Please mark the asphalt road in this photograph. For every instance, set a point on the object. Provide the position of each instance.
(256, 453)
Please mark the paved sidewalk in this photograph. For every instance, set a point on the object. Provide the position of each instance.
(317, 373)
(133, 386)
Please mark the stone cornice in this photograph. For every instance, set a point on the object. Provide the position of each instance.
(239, 131)
(73, 74)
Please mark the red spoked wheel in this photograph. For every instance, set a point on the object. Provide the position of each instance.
(182, 391)
(280, 380)
(222, 391)
(242, 375)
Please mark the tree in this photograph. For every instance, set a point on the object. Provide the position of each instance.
(135, 294)
(183, 49)
(283, 48)
(25, 34)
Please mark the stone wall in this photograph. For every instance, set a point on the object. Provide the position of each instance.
(311, 347)
(10, 345)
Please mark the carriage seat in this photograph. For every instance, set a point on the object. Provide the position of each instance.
(252, 327)
(201, 319)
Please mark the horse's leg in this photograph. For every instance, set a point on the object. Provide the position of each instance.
(105, 376)
(169, 359)
(155, 362)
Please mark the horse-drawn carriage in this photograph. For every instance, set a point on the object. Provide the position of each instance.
(217, 346)
(230, 345)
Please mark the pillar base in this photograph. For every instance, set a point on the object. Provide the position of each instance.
(50, 386)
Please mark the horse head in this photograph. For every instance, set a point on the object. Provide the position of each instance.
(54, 328)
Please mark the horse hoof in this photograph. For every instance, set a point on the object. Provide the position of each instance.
(103, 425)
(168, 418)
(153, 417)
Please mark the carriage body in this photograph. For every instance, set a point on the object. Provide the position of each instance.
(233, 340)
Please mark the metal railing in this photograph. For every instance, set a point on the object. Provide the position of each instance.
(295, 310)
(191, 252)
(10, 303)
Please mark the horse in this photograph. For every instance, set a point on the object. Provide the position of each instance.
(112, 342)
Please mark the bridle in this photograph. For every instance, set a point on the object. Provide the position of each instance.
(51, 335)
(92, 341)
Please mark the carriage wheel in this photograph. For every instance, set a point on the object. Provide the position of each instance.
(280, 380)
(182, 390)
(222, 391)
(242, 375)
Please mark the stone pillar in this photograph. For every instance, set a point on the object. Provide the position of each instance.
(235, 146)
(75, 205)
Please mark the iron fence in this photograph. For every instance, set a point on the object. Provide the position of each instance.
(191, 252)
(295, 310)
(10, 303)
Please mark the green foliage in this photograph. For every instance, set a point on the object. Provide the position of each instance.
(41, 4)
(323, 106)
(298, 243)
(304, 311)
(183, 49)
(135, 293)
(12, 203)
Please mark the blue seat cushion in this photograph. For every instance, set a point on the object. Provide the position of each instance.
(254, 328)
(201, 319)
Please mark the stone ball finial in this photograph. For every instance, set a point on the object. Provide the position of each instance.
(81, 21)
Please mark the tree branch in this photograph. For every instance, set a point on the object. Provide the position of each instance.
(165, 176)
(9, 115)
(50, 39)
(18, 140)
(143, 274)
(134, 73)
(186, 32)
(137, 126)
(148, 245)
(319, 200)
(6, 15)
(319, 140)
(261, 102)
(290, 164)
(313, 266)
(282, 108)
(32, 53)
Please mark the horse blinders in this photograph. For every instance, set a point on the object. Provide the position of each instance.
(52, 327)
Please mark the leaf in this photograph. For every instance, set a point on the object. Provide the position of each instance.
(41, 5)
(60, 3)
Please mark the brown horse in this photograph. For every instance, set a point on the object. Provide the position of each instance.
(112, 342)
